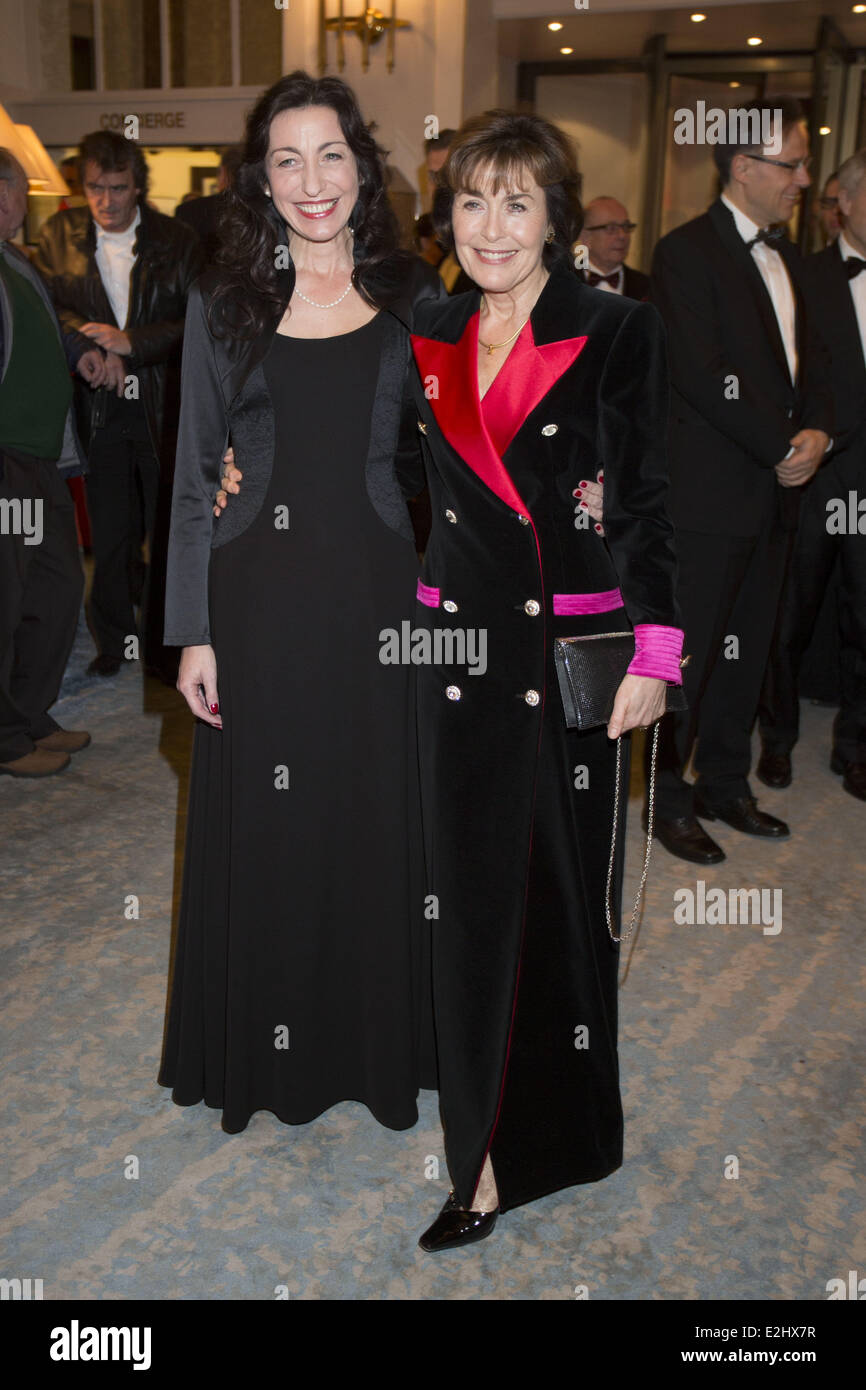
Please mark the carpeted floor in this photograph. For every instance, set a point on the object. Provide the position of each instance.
(736, 1044)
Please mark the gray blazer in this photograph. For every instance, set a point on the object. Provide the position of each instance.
(225, 398)
(72, 459)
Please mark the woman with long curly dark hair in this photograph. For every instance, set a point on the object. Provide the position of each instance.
(300, 967)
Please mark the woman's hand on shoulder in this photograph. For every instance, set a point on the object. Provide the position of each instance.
(639, 702)
(197, 683)
(230, 479)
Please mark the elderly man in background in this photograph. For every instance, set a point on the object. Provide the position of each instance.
(41, 580)
(606, 234)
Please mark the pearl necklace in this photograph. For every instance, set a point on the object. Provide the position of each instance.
(333, 302)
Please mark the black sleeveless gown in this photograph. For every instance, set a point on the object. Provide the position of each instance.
(301, 974)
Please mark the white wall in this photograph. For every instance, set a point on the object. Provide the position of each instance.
(606, 117)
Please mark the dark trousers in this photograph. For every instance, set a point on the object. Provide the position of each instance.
(40, 598)
(815, 556)
(122, 492)
(728, 587)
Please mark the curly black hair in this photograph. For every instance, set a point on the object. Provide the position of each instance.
(251, 288)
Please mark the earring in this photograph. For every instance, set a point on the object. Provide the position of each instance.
(550, 235)
(267, 193)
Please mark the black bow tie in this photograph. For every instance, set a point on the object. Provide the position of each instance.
(769, 234)
(594, 278)
(853, 266)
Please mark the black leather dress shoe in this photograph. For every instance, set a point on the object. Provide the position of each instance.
(685, 838)
(103, 665)
(456, 1226)
(853, 776)
(742, 813)
(774, 769)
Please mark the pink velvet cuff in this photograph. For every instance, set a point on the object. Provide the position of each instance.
(657, 652)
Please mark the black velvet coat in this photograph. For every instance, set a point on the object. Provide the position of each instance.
(518, 810)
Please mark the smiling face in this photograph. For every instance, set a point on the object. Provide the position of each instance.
(311, 172)
(499, 235)
(769, 193)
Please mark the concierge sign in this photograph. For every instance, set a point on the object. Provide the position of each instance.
(208, 120)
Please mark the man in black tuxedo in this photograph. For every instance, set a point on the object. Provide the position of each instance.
(750, 422)
(829, 529)
(606, 234)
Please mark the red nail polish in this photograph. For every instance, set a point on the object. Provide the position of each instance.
(584, 483)
(578, 492)
(596, 527)
(601, 477)
(214, 709)
(584, 506)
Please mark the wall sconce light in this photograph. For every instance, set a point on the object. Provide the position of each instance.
(370, 25)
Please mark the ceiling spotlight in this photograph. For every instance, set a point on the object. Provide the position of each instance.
(733, 84)
(858, 9)
(824, 130)
(753, 43)
(566, 50)
(697, 18)
(554, 25)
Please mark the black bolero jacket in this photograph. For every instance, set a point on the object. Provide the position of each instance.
(224, 400)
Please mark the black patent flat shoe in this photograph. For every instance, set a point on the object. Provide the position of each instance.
(456, 1226)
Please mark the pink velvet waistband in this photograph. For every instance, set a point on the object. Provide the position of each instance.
(429, 597)
(566, 605)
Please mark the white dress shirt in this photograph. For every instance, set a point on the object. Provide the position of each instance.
(114, 261)
(774, 274)
(857, 286)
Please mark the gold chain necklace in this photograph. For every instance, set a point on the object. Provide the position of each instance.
(491, 347)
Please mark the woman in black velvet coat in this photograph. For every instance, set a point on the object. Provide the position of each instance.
(524, 389)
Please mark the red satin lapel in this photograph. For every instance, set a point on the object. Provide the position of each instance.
(449, 372)
(481, 431)
(525, 379)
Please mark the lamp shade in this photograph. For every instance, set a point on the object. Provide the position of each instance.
(24, 143)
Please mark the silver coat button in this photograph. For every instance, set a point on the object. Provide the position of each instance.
(422, 427)
(549, 429)
(449, 605)
(453, 692)
(449, 515)
(532, 697)
(524, 520)
(532, 607)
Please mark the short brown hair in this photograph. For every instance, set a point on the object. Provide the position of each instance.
(506, 145)
(791, 114)
(112, 154)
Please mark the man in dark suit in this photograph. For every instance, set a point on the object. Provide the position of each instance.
(203, 214)
(830, 532)
(606, 234)
(750, 422)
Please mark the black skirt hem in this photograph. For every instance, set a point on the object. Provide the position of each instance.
(329, 1105)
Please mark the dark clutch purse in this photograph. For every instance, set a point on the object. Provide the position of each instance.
(590, 670)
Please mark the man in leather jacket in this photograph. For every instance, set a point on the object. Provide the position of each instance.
(119, 272)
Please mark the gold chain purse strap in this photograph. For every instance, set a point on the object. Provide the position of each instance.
(649, 837)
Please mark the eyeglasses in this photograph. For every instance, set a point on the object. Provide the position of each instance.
(611, 227)
(783, 163)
